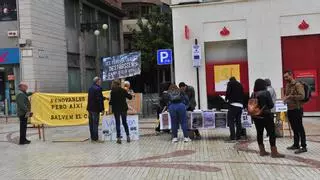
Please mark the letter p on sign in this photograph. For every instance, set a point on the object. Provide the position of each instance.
(164, 56)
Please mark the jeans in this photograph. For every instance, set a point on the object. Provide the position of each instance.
(295, 119)
(93, 125)
(266, 123)
(124, 123)
(23, 128)
(234, 117)
(178, 114)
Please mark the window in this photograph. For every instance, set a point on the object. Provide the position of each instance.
(88, 14)
(115, 29)
(71, 11)
(8, 10)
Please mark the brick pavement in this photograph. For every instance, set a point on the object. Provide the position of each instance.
(152, 157)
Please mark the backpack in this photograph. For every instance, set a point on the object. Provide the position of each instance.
(254, 109)
(307, 92)
(175, 96)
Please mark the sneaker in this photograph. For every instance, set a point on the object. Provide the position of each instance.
(301, 150)
(119, 141)
(293, 147)
(175, 140)
(198, 137)
(186, 140)
(128, 139)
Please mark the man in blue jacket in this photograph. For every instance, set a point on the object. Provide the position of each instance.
(95, 107)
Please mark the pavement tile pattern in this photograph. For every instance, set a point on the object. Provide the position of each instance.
(152, 157)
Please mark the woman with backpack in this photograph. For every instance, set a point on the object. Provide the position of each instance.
(259, 107)
(178, 112)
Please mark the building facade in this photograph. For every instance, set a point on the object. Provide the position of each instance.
(249, 40)
(51, 45)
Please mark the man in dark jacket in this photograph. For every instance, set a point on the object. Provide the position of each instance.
(95, 107)
(24, 111)
(189, 91)
(234, 96)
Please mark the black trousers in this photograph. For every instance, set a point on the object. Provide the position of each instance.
(23, 128)
(123, 116)
(265, 123)
(234, 118)
(94, 125)
(295, 119)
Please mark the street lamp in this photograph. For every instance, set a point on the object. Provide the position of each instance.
(97, 33)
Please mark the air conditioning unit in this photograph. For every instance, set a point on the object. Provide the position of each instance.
(176, 2)
(12, 34)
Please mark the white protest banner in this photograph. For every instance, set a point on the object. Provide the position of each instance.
(109, 131)
(122, 66)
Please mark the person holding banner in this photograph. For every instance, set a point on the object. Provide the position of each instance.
(120, 107)
(95, 107)
(24, 111)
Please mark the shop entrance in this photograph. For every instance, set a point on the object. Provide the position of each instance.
(8, 86)
(301, 54)
(225, 59)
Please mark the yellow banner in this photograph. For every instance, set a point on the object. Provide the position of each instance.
(61, 109)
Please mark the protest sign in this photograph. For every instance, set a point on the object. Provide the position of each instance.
(220, 119)
(109, 132)
(122, 66)
(197, 119)
(61, 109)
(165, 120)
(208, 119)
(246, 121)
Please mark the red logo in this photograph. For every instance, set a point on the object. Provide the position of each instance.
(303, 25)
(3, 57)
(224, 32)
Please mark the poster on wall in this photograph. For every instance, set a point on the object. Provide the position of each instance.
(8, 10)
(222, 74)
(109, 132)
(122, 66)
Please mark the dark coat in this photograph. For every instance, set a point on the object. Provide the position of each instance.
(118, 100)
(234, 92)
(264, 101)
(23, 103)
(95, 99)
(192, 97)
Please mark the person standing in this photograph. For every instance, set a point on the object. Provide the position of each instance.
(294, 94)
(189, 91)
(235, 97)
(273, 96)
(265, 119)
(119, 105)
(95, 107)
(178, 112)
(23, 111)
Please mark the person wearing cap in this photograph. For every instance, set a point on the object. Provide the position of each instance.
(95, 107)
(23, 111)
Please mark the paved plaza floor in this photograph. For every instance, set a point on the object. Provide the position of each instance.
(152, 157)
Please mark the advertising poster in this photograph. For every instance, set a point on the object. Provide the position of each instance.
(208, 119)
(222, 74)
(220, 119)
(197, 119)
(109, 132)
(165, 121)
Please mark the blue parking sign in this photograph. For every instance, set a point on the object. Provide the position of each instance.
(164, 56)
